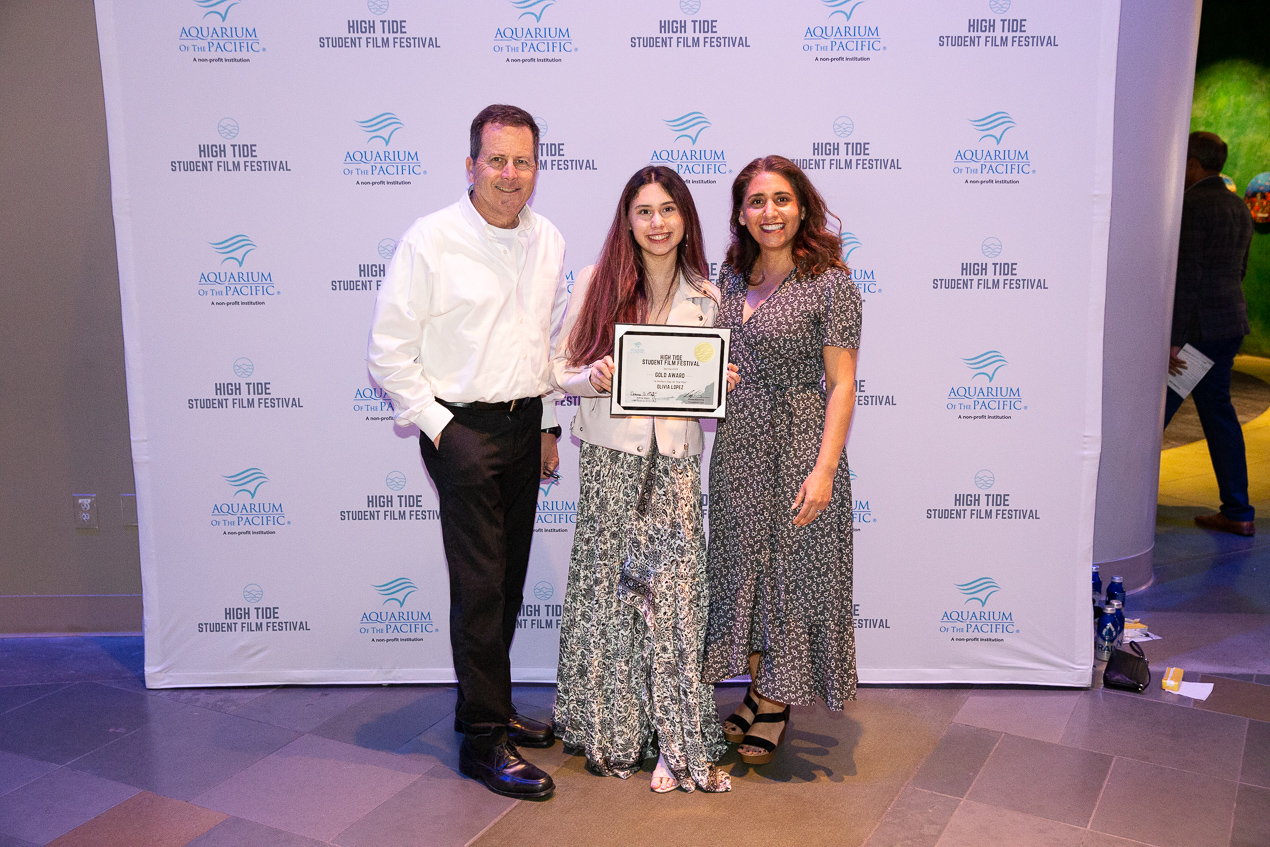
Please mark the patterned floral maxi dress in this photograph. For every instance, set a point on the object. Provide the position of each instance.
(631, 637)
(776, 588)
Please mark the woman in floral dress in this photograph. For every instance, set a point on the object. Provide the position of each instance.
(780, 494)
(631, 638)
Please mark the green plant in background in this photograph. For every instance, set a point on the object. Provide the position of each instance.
(1232, 99)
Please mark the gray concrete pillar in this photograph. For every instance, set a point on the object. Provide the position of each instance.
(1155, 76)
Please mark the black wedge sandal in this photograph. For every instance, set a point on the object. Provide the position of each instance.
(736, 719)
(768, 748)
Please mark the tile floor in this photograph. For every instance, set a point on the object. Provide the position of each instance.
(89, 757)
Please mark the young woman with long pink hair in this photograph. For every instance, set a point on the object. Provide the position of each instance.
(632, 634)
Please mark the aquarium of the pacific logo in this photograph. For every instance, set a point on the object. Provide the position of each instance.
(990, 154)
(218, 33)
(216, 8)
(971, 619)
(377, 160)
(373, 402)
(984, 394)
(392, 619)
(231, 275)
(843, 34)
(234, 249)
(865, 278)
(396, 591)
(986, 364)
(696, 161)
(862, 514)
(526, 37)
(245, 509)
(554, 514)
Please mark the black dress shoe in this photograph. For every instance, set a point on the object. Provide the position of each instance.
(523, 731)
(527, 732)
(504, 772)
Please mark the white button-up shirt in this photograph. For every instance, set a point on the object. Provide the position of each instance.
(468, 312)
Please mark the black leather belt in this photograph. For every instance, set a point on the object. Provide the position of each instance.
(478, 406)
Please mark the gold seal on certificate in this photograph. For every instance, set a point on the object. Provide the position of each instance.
(677, 371)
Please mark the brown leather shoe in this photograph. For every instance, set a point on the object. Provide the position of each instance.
(1221, 523)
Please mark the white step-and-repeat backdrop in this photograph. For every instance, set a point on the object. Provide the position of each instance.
(265, 156)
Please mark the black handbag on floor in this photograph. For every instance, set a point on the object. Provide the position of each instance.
(1127, 671)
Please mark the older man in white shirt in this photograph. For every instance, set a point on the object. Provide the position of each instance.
(462, 340)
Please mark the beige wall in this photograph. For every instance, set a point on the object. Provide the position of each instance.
(63, 407)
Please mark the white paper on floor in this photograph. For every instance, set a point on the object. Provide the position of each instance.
(1197, 690)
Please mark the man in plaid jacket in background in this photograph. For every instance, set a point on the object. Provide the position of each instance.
(1210, 314)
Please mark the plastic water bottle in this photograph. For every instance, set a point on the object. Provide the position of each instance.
(1105, 638)
(1115, 591)
(1097, 597)
(1119, 607)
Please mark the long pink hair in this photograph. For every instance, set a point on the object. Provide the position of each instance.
(617, 292)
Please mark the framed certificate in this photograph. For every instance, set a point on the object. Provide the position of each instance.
(678, 371)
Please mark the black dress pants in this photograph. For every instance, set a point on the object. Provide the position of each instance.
(1221, 426)
(487, 476)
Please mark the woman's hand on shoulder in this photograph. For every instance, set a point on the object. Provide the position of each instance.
(601, 375)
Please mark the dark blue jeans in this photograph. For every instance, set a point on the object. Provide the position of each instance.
(1221, 426)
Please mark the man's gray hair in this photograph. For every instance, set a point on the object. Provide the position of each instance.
(503, 115)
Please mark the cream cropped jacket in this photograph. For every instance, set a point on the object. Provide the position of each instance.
(592, 422)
